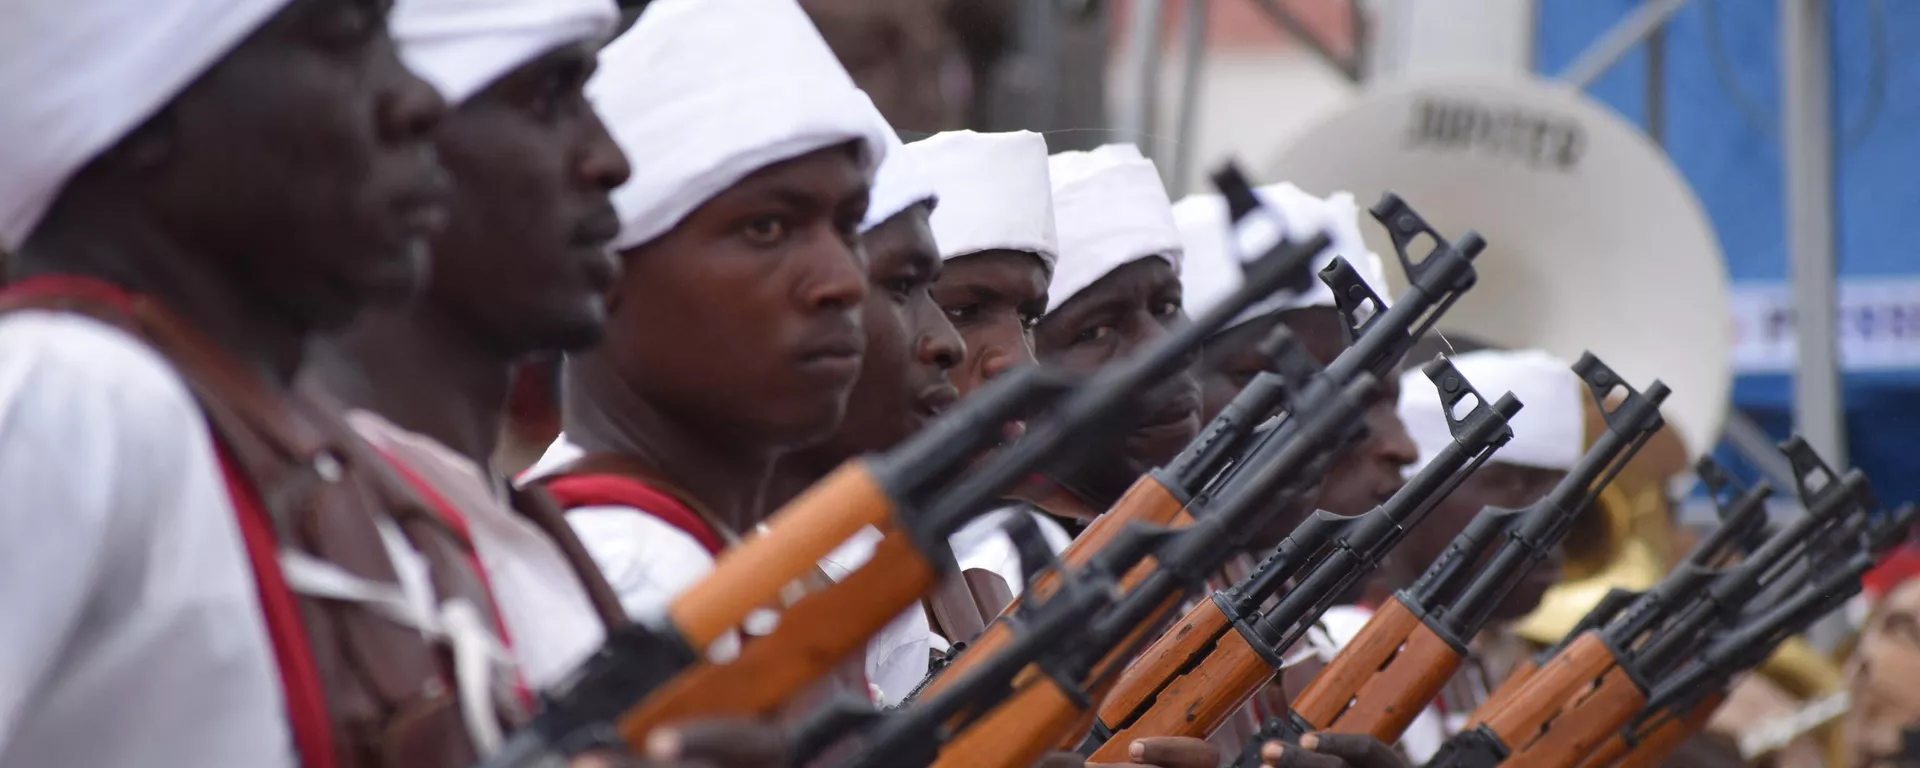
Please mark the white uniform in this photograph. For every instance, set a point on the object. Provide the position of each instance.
(132, 632)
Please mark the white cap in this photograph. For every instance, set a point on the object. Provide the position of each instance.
(898, 185)
(1548, 433)
(1110, 210)
(994, 192)
(703, 93)
(77, 75)
(1211, 269)
(461, 47)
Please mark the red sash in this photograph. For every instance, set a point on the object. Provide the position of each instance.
(576, 491)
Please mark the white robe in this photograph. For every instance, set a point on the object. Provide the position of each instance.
(130, 627)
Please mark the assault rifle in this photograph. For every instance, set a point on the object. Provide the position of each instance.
(916, 495)
(1582, 696)
(1224, 650)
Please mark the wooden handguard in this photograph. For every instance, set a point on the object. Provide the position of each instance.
(1147, 502)
(1596, 714)
(1656, 746)
(1557, 686)
(1502, 695)
(1382, 680)
(752, 575)
(814, 635)
(1197, 702)
(1018, 732)
(1163, 662)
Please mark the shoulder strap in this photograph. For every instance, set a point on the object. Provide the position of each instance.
(610, 479)
(954, 610)
(537, 505)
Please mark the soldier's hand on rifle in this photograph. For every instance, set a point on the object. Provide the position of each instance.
(704, 744)
(1331, 750)
(1152, 752)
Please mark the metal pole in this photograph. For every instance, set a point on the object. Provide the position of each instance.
(1138, 117)
(1806, 135)
(1606, 52)
(1193, 49)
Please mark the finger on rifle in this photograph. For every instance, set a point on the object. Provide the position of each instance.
(721, 743)
(1174, 752)
(1279, 754)
(1357, 749)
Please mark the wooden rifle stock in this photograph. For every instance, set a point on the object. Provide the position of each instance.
(1382, 680)
(1148, 502)
(1197, 701)
(1503, 695)
(1652, 749)
(1572, 706)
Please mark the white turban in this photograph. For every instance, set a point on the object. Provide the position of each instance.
(461, 47)
(994, 192)
(77, 75)
(1548, 433)
(1211, 269)
(703, 93)
(897, 186)
(1110, 210)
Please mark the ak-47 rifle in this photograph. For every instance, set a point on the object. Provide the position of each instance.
(1051, 701)
(1742, 515)
(1584, 695)
(1398, 662)
(1224, 650)
(1680, 705)
(1161, 497)
(650, 675)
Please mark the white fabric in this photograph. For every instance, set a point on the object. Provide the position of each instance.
(983, 544)
(550, 620)
(462, 46)
(898, 184)
(896, 656)
(702, 93)
(132, 635)
(1110, 210)
(1211, 267)
(649, 563)
(995, 192)
(80, 74)
(1548, 433)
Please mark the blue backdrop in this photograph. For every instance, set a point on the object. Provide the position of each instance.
(1721, 102)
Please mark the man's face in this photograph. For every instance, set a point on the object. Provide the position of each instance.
(994, 299)
(303, 163)
(1494, 484)
(1125, 311)
(910, 345)
(744, 319)
(524, 260)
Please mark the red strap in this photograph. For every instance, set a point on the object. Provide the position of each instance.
(299, 677)
(73, 287)
(1899, 565)
(576, 491)
(457, 520)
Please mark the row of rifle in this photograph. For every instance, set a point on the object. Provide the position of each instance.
(1118, 638)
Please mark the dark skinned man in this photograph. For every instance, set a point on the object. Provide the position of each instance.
(733, 334)
(193, 192)
(995, 230)
(520, 269)
(903, 384)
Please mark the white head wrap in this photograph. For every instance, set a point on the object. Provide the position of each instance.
(1211, 269)
(898, 185)
(77, 75)
(1110, 210)
(703, 93)
(462, 46)
(1548, 433)
(994, 192)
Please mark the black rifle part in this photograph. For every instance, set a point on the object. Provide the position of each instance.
(579, 713)
(1535, 534)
